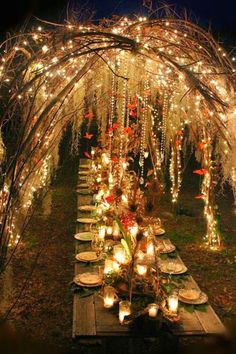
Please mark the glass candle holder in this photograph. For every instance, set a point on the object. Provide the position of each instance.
(141, 269)
(124, 310)
(109, 230)
(120, 254)
(108, 267)
(102, 232)
(109, 296)
(153, 310)
(133, 230)
(173, 302)
(99, 211)
(97, 245)
(150, 249)
(115, 230)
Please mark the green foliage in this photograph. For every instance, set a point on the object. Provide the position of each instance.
(126, 237)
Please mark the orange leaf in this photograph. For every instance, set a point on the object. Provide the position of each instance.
(115, 159)
(127, 130)
(133, 113)
(150, 172)
(202, 171)
(199, 196)
(178, 142)
(132, 106)
(89, 115)
(115, 125)
(87, 154)
(88, 136)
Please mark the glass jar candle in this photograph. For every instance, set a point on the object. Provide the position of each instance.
(124, 310)
(141, 269)
(109, 296)
(109, 230)
(102, 232)
(153, 310)
(173, 302)
(108, 266)
(120, 254)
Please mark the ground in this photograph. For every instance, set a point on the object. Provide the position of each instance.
(44, 310)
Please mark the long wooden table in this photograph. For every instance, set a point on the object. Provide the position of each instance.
(91, 319)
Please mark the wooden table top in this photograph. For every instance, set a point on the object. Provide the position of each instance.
(91, 319)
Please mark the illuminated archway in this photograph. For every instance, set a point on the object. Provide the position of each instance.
(166, 76)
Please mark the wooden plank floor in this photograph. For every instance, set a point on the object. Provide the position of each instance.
(91, 319)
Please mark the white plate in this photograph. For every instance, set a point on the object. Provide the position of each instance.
(166, 248)
(83, 178)
(87, 220)
(89, 285)
(83, 173)
(203, 298)
(160, 232)
(88, 256)
(84, 191)
(82, 185)
(84, 166)
(84, 236)
(87, 207)
(180, 270)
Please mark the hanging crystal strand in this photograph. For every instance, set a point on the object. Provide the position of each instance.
(208, 183)
(175, 167)
(155, 144)
(112, 113)
(143, 132)
(164, 122)
(123, 115)
(233, 182)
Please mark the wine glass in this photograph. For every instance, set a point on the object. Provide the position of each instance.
(97, 244)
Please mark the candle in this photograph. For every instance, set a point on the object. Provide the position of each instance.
(140, 255)
(124, 310)
(109, 296)
(124, 199)
(153, 310)
(99, 179)
(102, 232)
(110, 180)
(108, 267)
(99, 211)
(141, 269)
(105, 159)
(115, 230)
(134, 230)
(120, 254)
(109, 230)
(173, 303)
(116, 266)
(150, 249)
(108, 302)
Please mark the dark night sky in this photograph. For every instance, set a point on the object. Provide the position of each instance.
(220, 14)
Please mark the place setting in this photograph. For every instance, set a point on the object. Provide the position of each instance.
(192, 296)
(84, 236)
(172, 267)
(87, 208)
(87, 220)
(83, 173)
(82, 185)
(88, 257)
(84, 191)
(165, 246)
(88, 280)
